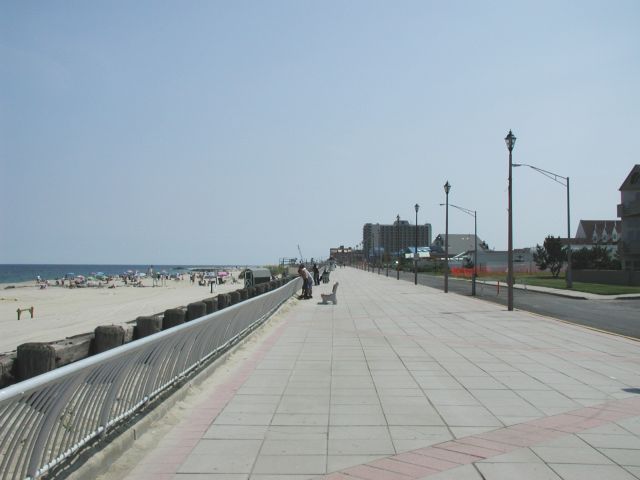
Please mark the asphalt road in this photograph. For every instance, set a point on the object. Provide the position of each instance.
(615, 316)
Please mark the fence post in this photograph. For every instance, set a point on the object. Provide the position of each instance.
(107, 337)
(35, 358)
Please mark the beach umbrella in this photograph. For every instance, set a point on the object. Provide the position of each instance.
(222, 274)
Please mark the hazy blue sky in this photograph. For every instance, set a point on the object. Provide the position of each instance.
(215, 132)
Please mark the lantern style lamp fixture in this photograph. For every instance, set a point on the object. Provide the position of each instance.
(510, 140)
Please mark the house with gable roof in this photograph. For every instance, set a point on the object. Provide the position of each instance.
(604, 233)
(629, 213)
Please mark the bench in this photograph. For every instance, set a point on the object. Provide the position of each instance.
(21, 310)
(326, 297)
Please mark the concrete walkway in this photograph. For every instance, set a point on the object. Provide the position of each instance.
(566, 293)
(402, 382)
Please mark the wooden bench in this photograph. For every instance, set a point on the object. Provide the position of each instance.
(326, 297)
(21, 310)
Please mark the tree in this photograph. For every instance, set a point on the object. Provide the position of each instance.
(596, 258)
(550, 255)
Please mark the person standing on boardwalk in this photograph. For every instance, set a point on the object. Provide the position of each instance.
(316, 274)
(307, 281)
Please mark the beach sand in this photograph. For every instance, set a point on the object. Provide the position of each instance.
(63, 312)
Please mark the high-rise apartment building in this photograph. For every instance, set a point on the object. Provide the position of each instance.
(379, 240)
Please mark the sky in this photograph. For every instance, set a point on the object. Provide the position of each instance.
(233, 132)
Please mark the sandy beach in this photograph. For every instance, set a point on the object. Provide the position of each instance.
(63, 312)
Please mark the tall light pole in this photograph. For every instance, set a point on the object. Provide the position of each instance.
(510, 140)
(398, 246)
(415, 256)
(447, 187)
(474, 214)
(564, 181)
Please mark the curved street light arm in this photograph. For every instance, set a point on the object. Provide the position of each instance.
(546, 173)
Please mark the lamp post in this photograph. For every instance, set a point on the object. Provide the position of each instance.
(510, 140)
(564, 181)
(398, 246)
(447, 187)
(474, 214)
(415, 256)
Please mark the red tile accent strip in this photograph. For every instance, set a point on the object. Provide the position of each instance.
(448, 455)
(366, 472)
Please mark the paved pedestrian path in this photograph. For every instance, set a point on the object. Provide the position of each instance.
(401, 382)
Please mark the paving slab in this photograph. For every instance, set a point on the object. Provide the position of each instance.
(400, 381)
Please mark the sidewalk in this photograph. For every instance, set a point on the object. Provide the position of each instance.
(563, 292)
(401, 382)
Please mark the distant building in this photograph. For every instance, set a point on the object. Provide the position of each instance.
(629, 213)
(410, 252)
(380, 241)
(345, 255)
(597, 232)
(458, 243)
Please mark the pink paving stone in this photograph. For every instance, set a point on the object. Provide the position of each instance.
(583, 425)
(628, 410)
(182, 442)
(525, 439)
(526, 427)
(370, 473)
(162, 451)
(483, 442)
(160, 468)
(188, 431)
(392, 465)
(430, 462)
(555, 421)
(158, 458)
(449, 455)
(526, 431)
(469, 449)
(632, 403)
(201, 423)
(611, 415)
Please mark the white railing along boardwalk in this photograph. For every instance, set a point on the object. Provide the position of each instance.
(49, 418)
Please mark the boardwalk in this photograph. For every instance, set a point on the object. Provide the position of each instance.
(400, 382)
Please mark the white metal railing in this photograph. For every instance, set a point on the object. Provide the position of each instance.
(47, 419)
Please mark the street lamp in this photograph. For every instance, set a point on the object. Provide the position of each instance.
(474, 214)
(447, 187)
(415, 257)
(510, 140)
(398, 246)
(564, 181)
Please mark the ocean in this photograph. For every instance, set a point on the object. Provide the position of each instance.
(14, 273)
